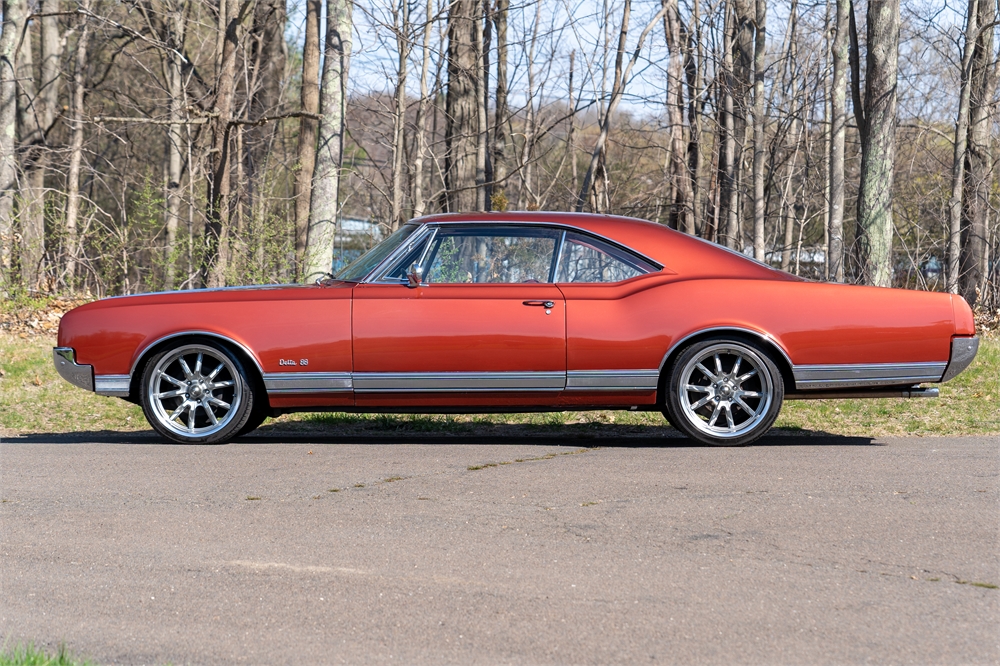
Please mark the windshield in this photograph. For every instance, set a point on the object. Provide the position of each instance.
(367, 262)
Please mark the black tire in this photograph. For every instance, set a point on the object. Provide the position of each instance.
(197, 392)
(258, 416)
(723, 378)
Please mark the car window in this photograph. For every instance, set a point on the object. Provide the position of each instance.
(586, 259)
(367, 262)
(495, 255)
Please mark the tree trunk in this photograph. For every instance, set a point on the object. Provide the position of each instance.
(681, 213)
(307, 134)
(330, 156)
(878, 144)
(216, 263)
(744, 13)
(38, 104)
(961, 138)
(484, 172)
(13, 24)
(76, 147)
(268, 53)
(692, 69)
(419, 205)
(730, 157)
(838, 134)
(498, 199)
(978, 163)
(175, 138)
(461, 108)
(401, 26)
(759, 140)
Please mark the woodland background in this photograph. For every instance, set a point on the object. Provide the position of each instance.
(164, 144)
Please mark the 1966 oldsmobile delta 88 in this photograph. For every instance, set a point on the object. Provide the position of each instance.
(494, 312)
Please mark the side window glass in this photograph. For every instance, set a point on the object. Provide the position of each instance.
(491, 255)
(585, 259)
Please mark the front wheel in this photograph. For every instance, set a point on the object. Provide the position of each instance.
(197, 393)
(723, 392)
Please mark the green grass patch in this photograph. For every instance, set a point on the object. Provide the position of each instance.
(29, 655)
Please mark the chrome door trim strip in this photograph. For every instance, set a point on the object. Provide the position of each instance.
(278, 383)
(612, 380)
(865, 374)
(113, 385)
(405, 382)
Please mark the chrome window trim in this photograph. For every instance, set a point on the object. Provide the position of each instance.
(809, 377)
(612, 380)
(277, 383)
(397, 256)
(112, 385)
(370, 279)
(394, 255)
(399, 382)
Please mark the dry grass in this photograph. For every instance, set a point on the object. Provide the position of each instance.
(34, 399)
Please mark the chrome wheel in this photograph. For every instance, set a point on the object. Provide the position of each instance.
(724, 392)
(193, 392)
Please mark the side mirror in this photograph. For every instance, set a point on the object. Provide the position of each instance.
(414, 276)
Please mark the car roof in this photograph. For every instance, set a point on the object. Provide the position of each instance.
(678, 252)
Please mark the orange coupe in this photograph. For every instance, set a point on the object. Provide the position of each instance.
(513, 312)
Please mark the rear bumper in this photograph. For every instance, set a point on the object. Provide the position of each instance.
(963, 352)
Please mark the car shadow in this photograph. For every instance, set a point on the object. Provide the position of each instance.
(571, 435)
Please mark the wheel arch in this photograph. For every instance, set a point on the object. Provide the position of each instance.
(246, 356)
(778, 353)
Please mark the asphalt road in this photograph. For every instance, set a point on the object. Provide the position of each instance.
(800, 550)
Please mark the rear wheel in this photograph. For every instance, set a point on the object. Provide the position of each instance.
(197, 393)
(723, 392)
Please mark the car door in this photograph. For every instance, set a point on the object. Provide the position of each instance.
(612, 354)
(484, 326)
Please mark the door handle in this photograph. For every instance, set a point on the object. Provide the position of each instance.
(540, 304)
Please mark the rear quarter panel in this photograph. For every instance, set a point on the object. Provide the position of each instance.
(619, 327)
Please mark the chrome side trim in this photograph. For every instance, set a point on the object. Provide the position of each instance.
(458, 381)
(81, 376)
(116, 385)
(145, 349)
(612, 380)
(307, 382)
(722, 329)
(809, 377)
(963, 352)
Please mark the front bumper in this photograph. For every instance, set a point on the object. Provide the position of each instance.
(82, 375)
(67, 367)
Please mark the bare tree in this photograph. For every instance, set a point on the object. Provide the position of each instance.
(759, 138)
(333, 100)
(462, 108)
(838, 135)
(876, 117)
(498, 198)
(76, 144)
(13, 25)
(978, 167)
(309, 100)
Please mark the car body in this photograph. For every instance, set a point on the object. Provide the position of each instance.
(493, 312)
